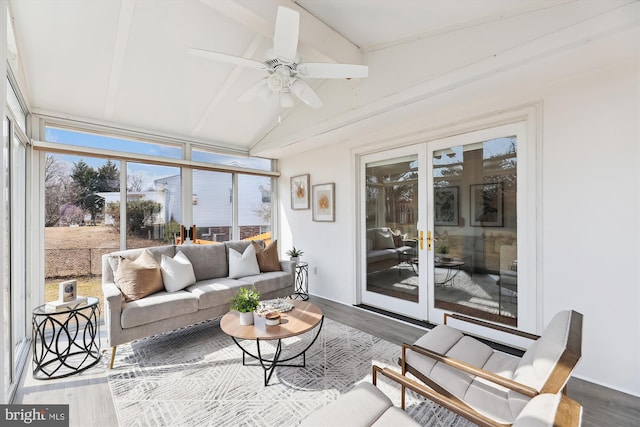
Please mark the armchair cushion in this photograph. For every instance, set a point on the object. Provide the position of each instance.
(363, 406)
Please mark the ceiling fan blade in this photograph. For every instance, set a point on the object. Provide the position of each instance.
(229, 59)
(260, 88)
(302, 90)
(285, 37)
(327, 70)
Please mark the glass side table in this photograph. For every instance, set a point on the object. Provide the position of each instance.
(65, 342)
(302, 281)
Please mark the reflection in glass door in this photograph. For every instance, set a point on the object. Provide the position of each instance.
(391, 279)
(475, 262)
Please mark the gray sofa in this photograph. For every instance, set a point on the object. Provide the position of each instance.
(385, 250)
(206, 299)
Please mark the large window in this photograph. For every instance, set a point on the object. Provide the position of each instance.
(93, 140)
(95, 205)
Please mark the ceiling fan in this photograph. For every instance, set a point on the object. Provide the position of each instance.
(284, 67)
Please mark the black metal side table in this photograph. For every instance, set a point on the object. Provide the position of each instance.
(302, 281)
(65, 342)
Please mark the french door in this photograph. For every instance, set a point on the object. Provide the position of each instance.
(447, 226)
(394, 214)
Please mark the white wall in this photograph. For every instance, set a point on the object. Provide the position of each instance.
(329, 247)
(590, 204)
(590, 221)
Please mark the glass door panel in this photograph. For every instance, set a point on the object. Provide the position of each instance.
(475, 234)
(391, 278)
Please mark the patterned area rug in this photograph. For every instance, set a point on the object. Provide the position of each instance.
(194, 377)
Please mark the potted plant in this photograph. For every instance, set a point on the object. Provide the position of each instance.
(294, 254)
(245, 302)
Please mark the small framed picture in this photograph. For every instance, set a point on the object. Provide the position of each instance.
(486, 205)
(324, 202)
(300, 192)
(68, 290)
(446, 203)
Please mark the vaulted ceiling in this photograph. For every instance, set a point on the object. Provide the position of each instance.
(126, 63)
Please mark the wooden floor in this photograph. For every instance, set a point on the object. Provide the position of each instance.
(90, 402)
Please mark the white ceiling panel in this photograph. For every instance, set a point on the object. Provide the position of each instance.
(125, 63)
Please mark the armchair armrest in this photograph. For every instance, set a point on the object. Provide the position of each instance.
(288, 266)
(568, 411)
(490, 325)
(450, 404)
(473, 370)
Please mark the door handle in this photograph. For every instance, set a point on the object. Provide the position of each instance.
(429, 240)
(421, 239)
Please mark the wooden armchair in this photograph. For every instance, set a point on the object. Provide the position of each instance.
(490, 383)
(367, 406)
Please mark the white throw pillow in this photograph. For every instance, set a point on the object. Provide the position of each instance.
(241, 265)
(177, 272)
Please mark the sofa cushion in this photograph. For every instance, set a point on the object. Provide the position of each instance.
(243, 264)
(156, 251)
(216, 292)
(268, 258)
(138, 278)
(159, 306)
(384, 240)
(209, 261)
(177, 272)
(269, 282)
(238, 245)
(382, 255)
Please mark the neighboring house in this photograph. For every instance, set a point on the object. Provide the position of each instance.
(212, 202)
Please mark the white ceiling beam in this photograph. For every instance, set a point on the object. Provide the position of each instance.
(318, 40)
(125, 19)
(470, 23)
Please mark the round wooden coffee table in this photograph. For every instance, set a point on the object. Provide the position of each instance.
(302, 318)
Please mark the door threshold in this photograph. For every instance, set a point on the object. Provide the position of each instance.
(423, 323)
(407, 319)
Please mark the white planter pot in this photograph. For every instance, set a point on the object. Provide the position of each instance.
(294, 259)
(246, 318)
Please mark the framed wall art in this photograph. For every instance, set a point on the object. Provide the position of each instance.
(300, 192)
(446, 206)
(486, 202)
(324, 202)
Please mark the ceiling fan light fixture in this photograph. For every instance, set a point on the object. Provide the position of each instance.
(274, 82)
